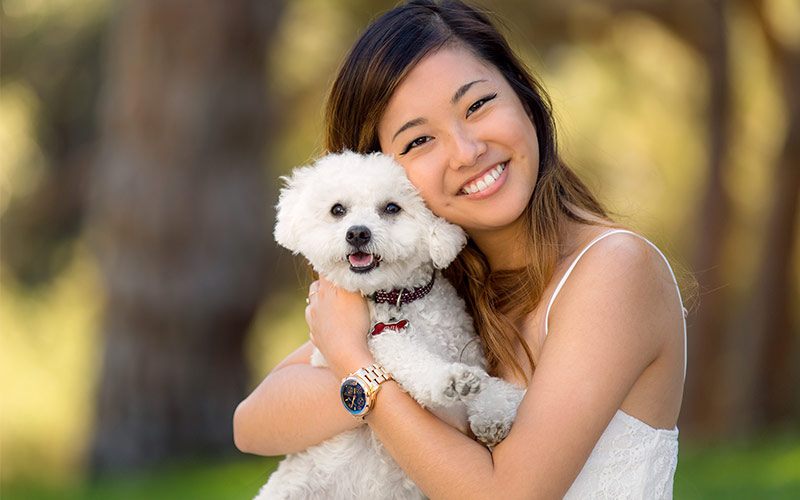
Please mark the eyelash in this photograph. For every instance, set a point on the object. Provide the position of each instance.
(414, 144)
(480, 102)
(475, 107)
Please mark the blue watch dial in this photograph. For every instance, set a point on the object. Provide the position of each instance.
(354, 397)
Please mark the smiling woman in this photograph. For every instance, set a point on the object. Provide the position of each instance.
(584, 314)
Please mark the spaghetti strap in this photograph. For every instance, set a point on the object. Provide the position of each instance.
(587, 247)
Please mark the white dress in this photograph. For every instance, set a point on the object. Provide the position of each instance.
(631, 460)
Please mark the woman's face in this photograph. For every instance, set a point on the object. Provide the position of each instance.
(464, 139)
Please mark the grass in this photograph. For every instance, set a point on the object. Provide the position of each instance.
(232, 480)
(764, 468)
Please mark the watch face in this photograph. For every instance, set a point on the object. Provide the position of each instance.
(354, 397)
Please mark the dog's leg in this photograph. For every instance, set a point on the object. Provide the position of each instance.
(427, 377)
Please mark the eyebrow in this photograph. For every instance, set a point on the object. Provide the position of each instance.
(463, 90)
(420, 121)
(412, 123)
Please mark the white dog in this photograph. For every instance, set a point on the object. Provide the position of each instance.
(362, 224)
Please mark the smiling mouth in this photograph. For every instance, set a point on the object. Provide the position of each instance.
(361, 262)
(484, 182)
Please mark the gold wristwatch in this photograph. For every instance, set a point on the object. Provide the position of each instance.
(359, 389)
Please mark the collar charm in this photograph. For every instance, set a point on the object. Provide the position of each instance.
(395, 327)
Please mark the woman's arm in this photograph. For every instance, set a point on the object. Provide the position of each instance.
(605, 331)
(294, 407)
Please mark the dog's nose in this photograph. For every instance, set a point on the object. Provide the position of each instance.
(358, 235)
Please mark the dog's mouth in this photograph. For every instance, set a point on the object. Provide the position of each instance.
(361, 262)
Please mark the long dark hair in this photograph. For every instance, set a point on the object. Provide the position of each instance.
(378, 62)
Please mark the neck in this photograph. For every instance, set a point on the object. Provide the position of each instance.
(503, 248)
(418, 277)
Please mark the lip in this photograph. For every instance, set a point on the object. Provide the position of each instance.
(490, 190)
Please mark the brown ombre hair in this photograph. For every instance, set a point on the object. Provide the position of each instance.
(378, 62)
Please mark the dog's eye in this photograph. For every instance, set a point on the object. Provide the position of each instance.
(391, 208)
(337, 210)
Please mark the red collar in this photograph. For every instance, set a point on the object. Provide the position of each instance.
(404, 296)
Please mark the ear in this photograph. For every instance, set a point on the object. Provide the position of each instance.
(288, 226)
(446, 241)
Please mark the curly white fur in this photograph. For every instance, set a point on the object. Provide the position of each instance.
(437, 359)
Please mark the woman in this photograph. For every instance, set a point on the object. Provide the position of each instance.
(582, 313)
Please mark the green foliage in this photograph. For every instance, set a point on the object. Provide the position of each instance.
(51, 67)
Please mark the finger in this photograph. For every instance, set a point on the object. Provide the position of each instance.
(323, 281)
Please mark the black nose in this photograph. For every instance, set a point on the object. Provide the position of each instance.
(358, 236)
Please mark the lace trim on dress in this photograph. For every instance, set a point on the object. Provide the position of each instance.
(631, 460)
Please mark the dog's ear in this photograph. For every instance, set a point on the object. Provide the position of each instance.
(446, 241)
(288, 226)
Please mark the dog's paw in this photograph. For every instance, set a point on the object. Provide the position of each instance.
(493, 411)
(463, 382)
(490, 428)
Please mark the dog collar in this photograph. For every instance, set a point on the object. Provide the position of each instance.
(404, 296)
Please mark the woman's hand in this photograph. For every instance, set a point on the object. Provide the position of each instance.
(339, 322)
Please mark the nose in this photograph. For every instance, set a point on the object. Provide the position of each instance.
(358, 236)
(465, 147)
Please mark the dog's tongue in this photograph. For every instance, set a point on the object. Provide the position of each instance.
(360, 259)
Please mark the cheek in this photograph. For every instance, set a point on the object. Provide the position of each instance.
(429, 185)
(518, 128)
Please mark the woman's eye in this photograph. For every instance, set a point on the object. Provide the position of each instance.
(479, 103)
(419, 141)
(337, 210)
(391, 208)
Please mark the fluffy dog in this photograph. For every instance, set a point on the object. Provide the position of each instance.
(361, 223)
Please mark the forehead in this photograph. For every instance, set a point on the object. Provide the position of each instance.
(434, 80)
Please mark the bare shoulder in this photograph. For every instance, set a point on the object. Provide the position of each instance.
(625, 263)
(623, 287)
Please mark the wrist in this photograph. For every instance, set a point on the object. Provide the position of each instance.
(354, 360)
(359, 390)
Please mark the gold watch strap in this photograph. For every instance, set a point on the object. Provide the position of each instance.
(374, 374)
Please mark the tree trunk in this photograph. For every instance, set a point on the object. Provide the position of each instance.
(774, 391)
(778, 394)
(178, 219)
(704, 401)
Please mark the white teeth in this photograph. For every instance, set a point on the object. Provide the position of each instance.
(486, 181)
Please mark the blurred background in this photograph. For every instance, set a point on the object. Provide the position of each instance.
(142, 296)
